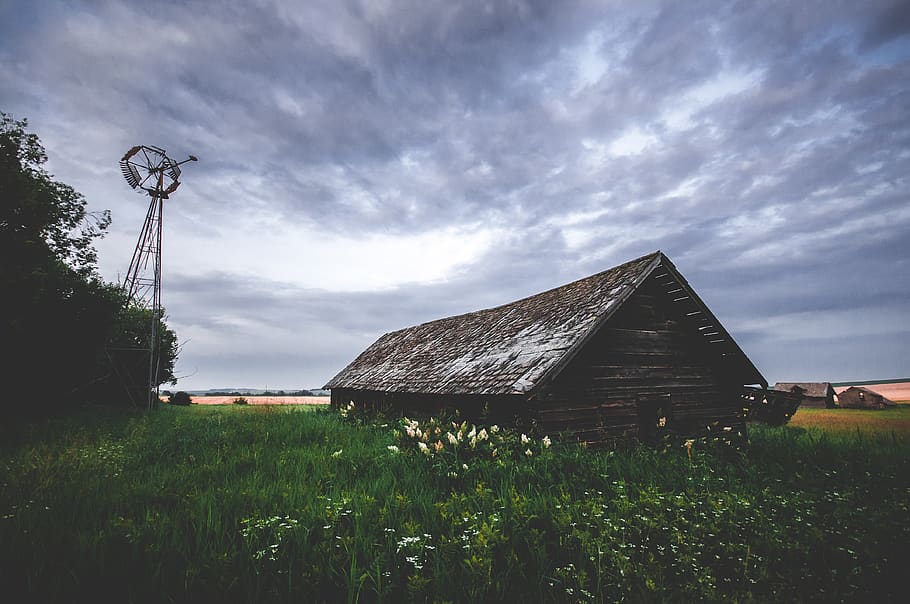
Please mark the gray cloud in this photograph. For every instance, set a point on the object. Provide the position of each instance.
(765, 148)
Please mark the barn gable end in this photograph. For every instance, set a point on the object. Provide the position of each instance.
(586, 357)
(857, 397)
(648, 353)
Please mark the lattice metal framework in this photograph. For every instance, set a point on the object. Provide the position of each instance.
(149, 169)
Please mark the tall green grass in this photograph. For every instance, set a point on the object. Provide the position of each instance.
(281, 504)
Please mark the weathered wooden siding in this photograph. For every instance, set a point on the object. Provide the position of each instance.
(648, 349)
(501, 409)
(814, 402)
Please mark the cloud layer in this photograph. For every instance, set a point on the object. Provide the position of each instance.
(365, 166)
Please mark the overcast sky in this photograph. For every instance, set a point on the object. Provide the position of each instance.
(366, 166)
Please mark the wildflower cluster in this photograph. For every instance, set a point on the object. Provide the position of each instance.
(264, 536)
(358, 414)
(108, 457)
(451, 441)
(414, 550)
(347, 411)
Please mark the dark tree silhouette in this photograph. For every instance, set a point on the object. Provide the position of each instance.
(68, 337)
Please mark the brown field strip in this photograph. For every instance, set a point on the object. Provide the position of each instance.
(868, 421)
(263, 400)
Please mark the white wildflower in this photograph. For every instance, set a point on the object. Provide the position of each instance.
(528, 452)
(337, 453)
(546, 442)
(423, 448)
(482, 435)
(494, 429)
(452, 440)
(524, 439)
(392, 448)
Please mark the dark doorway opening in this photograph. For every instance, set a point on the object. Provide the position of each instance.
(655, 414)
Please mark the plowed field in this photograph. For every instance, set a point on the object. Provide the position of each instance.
(263, 400)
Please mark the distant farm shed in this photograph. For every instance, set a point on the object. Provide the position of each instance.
(813, 394)
(857, 397)
(629, 351)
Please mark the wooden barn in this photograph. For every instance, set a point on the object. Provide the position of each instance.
(631, 351)
(819, 395)
(857, 397)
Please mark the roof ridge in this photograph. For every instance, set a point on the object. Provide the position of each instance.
(529, 297)
(642, 276)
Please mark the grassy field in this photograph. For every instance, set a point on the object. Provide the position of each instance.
(241, 504)
(886, 422)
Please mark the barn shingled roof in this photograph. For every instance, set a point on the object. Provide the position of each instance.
(812, 389)
(511, 349)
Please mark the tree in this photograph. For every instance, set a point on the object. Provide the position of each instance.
(61, 326)
(42, 219)
(124, 364)
(181, 398)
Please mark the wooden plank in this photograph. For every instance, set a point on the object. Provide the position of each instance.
(652, 346)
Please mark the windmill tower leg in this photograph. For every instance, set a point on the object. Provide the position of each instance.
(155, 336)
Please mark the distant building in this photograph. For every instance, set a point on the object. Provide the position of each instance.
(629, 351)
(857, 397)
(818, 395)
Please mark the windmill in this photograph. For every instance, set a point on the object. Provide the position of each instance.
(150, 169)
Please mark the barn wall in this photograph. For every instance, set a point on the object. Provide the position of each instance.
(812, 395)
(645, 351)
(504, 410)
(816, 402)
(850, 399)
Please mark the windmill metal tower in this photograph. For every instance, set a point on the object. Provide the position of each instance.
(151, 170)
